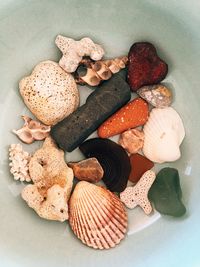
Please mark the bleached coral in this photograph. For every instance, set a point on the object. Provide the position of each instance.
(73, 51)
(19, 160)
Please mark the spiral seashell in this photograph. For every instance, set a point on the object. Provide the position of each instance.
(96, 216)
(164, 133)
(93, 72)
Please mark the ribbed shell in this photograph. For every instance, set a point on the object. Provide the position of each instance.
(97, 217)
(164, 132)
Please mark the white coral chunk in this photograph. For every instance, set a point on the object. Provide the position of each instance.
(73, 51)
(53, 206)
(19, 160)
(49, 92)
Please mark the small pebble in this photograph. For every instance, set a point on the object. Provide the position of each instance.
(157, 95)
(87, 170)
(132, 140)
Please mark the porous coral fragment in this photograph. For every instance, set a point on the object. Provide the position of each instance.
(47, 167)
(49, 92)
(73, 51)
(52, 206)
(138, 195)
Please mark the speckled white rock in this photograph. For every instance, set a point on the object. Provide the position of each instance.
(157, 95)
(49, 92)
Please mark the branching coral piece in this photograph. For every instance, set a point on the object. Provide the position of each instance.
(73, 51)
(32, 130)
(138, 194)
(92, 73)
(19, 163)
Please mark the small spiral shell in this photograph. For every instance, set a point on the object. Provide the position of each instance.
(92, 73)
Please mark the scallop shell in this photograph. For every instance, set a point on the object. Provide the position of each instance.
(164, 133)
(97, 217)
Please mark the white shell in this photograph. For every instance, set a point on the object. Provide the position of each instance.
(96, 216)
(164, 132)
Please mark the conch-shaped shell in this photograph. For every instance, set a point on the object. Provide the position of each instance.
(164, 132)
(32, 130)
(92, 73)
(97, 217)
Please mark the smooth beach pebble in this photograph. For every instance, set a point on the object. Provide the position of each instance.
(158, 95)
(166, 193)
(87, 170)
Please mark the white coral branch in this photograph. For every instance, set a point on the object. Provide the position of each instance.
(19, 160)
(73, 51)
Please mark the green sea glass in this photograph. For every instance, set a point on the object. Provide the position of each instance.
(166, 193)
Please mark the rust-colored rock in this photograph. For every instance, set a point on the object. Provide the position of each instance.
(139, 165)
(87, 170)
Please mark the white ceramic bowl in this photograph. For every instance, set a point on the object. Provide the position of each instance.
(28, 30)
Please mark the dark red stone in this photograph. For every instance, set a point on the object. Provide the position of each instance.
(144, 66)
(139, 165)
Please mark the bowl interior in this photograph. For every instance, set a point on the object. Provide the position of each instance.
(28, 31)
